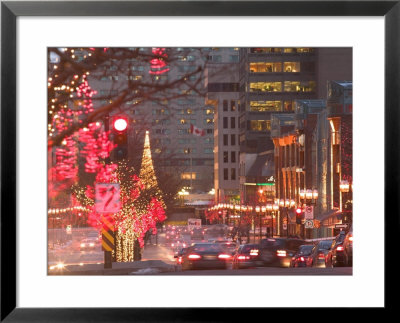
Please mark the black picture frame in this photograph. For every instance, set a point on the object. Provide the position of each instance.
(11, 10)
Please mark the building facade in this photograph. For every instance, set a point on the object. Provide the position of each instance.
(222, 84)
(271, 81)
(313, 152)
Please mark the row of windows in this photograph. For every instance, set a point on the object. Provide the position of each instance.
(226, 156)
(274, 67)
(223, 87)
(226, 174)
(181, 141)
(166, 122)
(232, 123)
(280, 50)
(226, 139)
(207, 121)
(289, 86)
(218, 58)
(262, 106)
(225, 105)
(185, 151)
(260, 125)
(186, 162)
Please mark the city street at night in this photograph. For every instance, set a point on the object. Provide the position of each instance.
(71, 255)
(200, 161)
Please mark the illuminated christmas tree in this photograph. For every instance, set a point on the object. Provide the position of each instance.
(138, 213)
(147, 174)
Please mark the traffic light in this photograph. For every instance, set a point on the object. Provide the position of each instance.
(299, 215)
(120, 129)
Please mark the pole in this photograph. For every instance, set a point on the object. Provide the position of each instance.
(191, 168)
(287, 223)
(108, 254)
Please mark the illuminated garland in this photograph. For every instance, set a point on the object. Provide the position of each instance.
(137, 215)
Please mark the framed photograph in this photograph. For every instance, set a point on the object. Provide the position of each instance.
(162, 160)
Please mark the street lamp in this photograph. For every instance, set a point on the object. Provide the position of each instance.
(257, 209)
(344, 188)
(309, 197)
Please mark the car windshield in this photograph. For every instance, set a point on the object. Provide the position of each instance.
(325, 245)
(228, 245)
(248, 247)
(340, 237)
(305, 250)
(272, 243)
(207, 247)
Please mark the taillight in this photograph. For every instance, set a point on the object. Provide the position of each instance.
(243, 257)
(281, 253)
(321, 256)
(340, 248)
(301, 258)
(194, 256)
(224, 256)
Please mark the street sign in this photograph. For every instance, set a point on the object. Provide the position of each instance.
(107, 198)
(341, 226)
(194, 223)
(107, 232)
(309, 224)
(309, 212)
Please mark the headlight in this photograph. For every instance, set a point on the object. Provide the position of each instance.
(82, 245)
(92, 244)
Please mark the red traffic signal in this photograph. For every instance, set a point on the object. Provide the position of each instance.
(299, 215)
(120, 124)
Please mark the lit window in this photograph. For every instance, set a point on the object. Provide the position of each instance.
(265, 67)
(260, 125)
(291, 67)
(295, 86)
(265, 106)
(188, 175)
(266, 87)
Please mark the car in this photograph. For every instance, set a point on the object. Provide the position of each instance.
(278, 251)
(172, 235)
(179, 254)
(348, 248)
(197, 234)
(303, 256)
(94, 235)
(89, 244)
(336, 255)
(246, 256)
(320, 252)
(178, 244)
(205, 255)
(229, 246)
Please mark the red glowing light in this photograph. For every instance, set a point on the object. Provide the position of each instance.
(120, 124)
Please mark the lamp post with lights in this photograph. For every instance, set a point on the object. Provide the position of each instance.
(309, 197)
(284, 205)
(345, 208)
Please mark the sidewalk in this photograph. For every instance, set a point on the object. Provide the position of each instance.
(155, 259)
